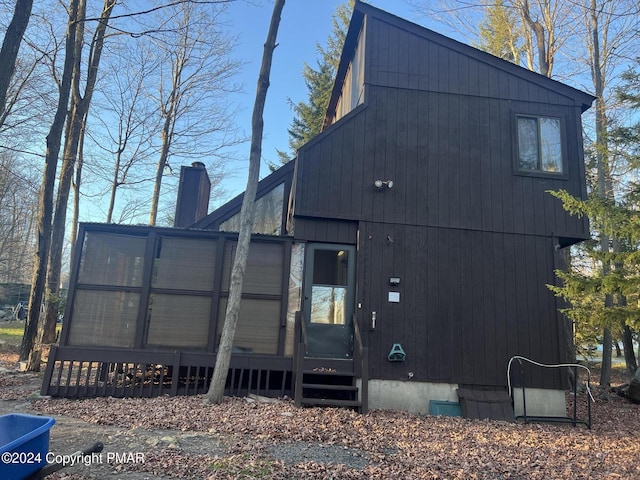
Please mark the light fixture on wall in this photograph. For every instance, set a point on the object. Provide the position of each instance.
(380, 184)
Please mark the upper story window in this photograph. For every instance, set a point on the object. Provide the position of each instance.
(352, 93)
(540, 144)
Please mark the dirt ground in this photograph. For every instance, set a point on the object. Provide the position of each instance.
(183, 437)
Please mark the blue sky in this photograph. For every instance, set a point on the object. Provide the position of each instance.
(304, 24)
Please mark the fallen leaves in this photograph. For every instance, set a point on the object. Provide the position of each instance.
(282, 441)
(241, 439)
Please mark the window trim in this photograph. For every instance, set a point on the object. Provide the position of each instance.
(564, 174)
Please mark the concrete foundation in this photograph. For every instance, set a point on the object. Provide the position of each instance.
(540, 402)
(409, 396)
(414, 397)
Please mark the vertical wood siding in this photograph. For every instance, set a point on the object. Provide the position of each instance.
(468, 302)
(443, 129)
(451, 160)
(471, 238)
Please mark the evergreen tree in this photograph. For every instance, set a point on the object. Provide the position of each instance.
(613, 272)
(587, 283)
(500, 34)
(309, 115)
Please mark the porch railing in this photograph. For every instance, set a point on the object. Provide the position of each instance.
(91, 372)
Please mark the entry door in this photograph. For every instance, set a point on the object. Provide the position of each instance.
(329, 289)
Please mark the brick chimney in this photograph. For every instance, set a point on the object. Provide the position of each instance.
(193, 195)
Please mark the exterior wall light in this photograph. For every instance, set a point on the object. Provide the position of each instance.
(380, 184)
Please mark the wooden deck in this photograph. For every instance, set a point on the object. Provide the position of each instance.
(83, 372)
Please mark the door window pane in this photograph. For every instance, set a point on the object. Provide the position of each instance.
(330, 267)
(328, 305)
(329, 289)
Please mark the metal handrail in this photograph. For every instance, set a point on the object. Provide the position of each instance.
(574, 420)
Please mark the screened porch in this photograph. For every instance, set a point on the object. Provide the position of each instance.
(146, 307)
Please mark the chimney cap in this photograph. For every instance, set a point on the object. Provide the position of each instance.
(197, 165)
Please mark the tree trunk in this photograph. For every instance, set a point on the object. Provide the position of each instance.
(114, 185)
(170, 111)
(76, 124)
(58, 231)
(223, 358)
(629, 354)
(45, 207)
(76, 193)
(11, 46)
(627, 334)
(605, 188)
(162, 163)
(538, 29)
(605, 369)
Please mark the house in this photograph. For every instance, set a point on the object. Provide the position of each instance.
(403, 257)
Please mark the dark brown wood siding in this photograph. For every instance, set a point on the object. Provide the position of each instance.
(469, 301)
(451, 159)
(471, 238)
(410, 57)
(326, 230)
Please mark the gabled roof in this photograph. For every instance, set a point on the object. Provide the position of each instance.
(362, 10)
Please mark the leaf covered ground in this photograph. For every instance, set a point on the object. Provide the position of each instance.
(381, 444)
(184, 437)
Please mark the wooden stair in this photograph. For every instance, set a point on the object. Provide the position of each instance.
(330, 381)
(327, 382)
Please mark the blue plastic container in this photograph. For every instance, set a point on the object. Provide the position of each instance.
(447, 409)
(24, 444)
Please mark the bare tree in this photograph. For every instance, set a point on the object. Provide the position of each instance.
(18, 194)
(544, 33)
(21, 100)
(76, 186)
(223, 358)
(132, 134)
(194, 78)
(123, 123)
(32, 92)
(64, 81)
(80, 103)
(45, 204)
(11, 46)
(543, 25)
